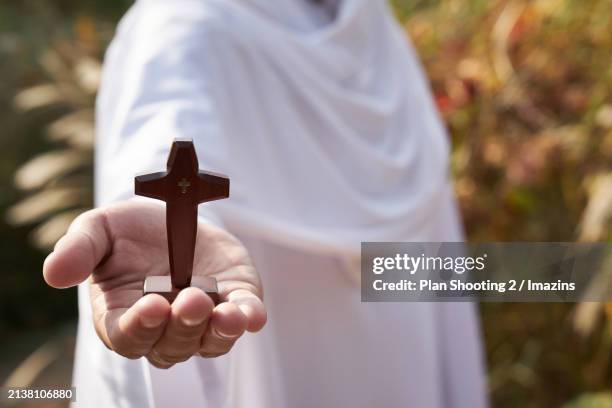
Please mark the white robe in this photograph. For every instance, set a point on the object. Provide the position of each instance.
(323, 120)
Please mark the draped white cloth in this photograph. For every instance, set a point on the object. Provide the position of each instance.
(320, 114)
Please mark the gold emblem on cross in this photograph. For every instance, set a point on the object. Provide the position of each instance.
(184, 184)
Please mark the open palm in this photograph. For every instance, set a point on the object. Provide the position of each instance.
(118, 246)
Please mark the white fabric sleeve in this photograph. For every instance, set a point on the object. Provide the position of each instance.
(156, 87)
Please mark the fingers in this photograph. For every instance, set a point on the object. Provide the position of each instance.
(251, 306)
(194, 327)
(227, 324)
(133, 332)
(190, 313)
(78, 252)
(242, 311)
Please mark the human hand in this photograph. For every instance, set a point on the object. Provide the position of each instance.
(118, 246)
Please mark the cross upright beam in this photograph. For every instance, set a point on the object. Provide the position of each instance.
(183, 187)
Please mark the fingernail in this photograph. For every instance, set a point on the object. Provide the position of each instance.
(195, 321)
(224, 336)
(246, 310)
(151, 322)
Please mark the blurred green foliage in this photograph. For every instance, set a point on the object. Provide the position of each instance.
(526, 91)
(28, 29)
(525, 88)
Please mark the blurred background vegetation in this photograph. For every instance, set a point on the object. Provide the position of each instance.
(525, 88)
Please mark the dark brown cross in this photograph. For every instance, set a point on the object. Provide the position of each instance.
(183, 186)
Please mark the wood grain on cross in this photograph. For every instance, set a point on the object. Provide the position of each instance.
(182, 186)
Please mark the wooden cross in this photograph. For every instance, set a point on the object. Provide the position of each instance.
(182, 186)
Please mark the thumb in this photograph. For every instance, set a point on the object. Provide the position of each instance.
(78, 252)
